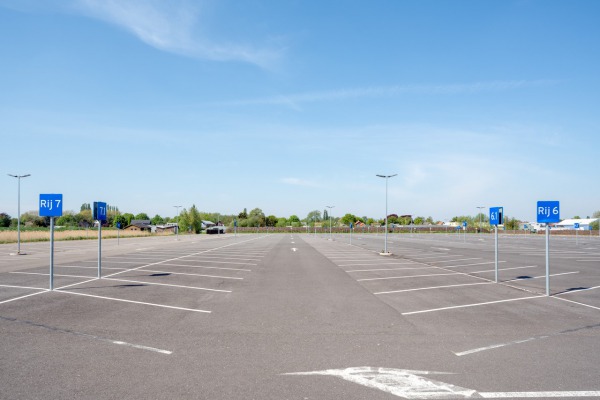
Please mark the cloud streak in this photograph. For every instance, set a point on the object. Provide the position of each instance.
(172, 26)
(299, 182)
(294, 100)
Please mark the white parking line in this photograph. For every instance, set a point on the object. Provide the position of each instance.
(503, 269)
(202, 266)
(133, 301)
(405, 277)
(434, 287)
(376, 263)
(471, 305)
(470, 265)
(127, 280)
(541, 276)
(183, 273)
(459, 259)
(87, 335)
(22, 297)
(391, 269)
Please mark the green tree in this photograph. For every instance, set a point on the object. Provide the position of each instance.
(84, 217)
(122, 219)
(348, 219)
(419, 220)
(128, 218)
(271, 220)
(281, 223)
(429, 221)
(325, 215)
(67, 219)
(256, 217)
(243, 214)
(314, 215)
(594, 225)
(142, 216)
(511, 224)
(157, 220)
(183, 221)
(4, 220)
(293, 219)
(194, 219)
(85, 206)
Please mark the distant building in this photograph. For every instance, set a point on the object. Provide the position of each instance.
(139, 225)
(584, 223)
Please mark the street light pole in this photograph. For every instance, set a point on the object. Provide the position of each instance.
(177, 231)
(480, 214)
(330, 231)
(19, 209)
(386, 210)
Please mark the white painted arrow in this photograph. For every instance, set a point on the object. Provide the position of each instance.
(410, 385)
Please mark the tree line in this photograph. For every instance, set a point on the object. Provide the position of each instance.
(192, 219)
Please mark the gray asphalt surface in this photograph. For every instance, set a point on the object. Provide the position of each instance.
(225, 317)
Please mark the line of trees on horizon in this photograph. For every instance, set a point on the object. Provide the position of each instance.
(191, 219)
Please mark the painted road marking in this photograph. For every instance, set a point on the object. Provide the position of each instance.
(469, 265)
(391, 269)
(133, 301)
(406, 277)
(202, 266)
(127, 280)
(399, 382)
(22, 297)
(471, 305)
(503, 269)
(459, 259)
(434, 287)
(87, 335)
(496, 346)
(412, 385)
(375, 263)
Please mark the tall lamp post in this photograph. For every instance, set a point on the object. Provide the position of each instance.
(177, 231)
(330, 232)
(480, 214)
(385, 252)
(19, 210)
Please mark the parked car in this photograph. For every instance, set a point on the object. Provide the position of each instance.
(215, 230)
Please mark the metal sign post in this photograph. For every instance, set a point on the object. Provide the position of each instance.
(548, 212)
(464, 224)
(576, 226)
(99, 214)
(496, 218)
(51, 206)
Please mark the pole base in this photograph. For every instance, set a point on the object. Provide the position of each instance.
(383, 253)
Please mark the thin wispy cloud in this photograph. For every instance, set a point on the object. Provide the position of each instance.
(295, 100)
(299, 182)
(172, 26)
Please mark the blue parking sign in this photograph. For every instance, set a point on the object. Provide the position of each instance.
(99, 211)
(548, 211)
(576, 225)
(496, 215)
(50, 205)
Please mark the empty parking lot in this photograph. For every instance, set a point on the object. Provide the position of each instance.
(300, 316)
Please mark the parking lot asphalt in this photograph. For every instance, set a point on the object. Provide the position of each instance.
(301, 316)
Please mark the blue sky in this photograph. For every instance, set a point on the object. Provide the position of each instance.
(294, 105)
